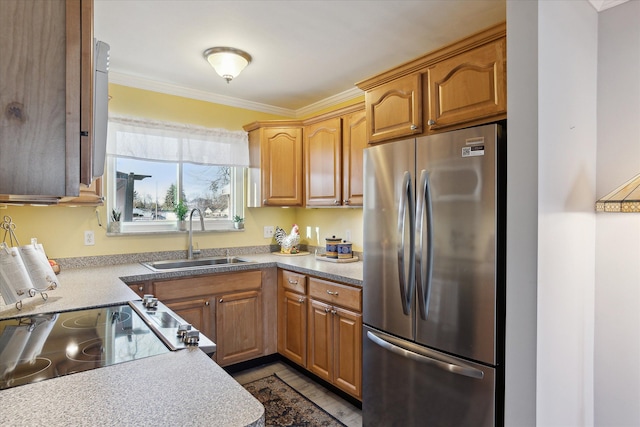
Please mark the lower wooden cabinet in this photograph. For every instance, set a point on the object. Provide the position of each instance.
(238, 327)
(292, 316)
(320, 328)
(197, 311)
(139, 288)
(227, 308)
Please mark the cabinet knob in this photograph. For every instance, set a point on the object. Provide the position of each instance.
(414, 127)
(345, 202)
(301, 300)
(264, 201)
(221, 300)
(333, 312)
(326, 309)
(336, 202)
(141, 288)
(206, 302)
(431, 122)
(332, 293)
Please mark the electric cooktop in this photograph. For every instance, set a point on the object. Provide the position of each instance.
(43, 346)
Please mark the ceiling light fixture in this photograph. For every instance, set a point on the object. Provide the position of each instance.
(227, 61)
(625, 198)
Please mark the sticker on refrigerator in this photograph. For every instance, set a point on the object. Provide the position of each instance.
(476, 150)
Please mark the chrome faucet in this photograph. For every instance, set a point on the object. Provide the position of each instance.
(191, 251)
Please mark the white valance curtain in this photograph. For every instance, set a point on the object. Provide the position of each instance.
(175, 142)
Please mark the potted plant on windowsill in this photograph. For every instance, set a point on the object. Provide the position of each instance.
(114, 224)
(238, 222)
(181, 212)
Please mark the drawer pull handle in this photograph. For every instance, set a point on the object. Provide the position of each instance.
(332, 293)
(292, 282)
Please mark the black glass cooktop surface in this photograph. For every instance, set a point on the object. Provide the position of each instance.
(43, 346)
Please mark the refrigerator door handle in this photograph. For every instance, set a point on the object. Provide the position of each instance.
(406, 286)
(454, 368)
(424, 267)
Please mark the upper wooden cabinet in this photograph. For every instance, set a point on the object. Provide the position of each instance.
(316, 162)
(276, 170)
(468, 87)
(462, 84)
(323, 163)
(333, 150)
(394, 109)
(41, 96)
(354, 141)
(90, 195)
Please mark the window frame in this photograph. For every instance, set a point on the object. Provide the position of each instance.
(236, 206)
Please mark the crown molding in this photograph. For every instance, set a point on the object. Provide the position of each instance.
(345, 96)
(169, 89)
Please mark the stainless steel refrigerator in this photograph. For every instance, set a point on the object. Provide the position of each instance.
(433, 293)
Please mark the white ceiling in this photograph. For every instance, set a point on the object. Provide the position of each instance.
(306, 54)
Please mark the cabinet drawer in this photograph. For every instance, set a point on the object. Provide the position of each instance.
(333, 293)
(295, 282)
(207, 285)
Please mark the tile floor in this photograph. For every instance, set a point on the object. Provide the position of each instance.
(330, 402)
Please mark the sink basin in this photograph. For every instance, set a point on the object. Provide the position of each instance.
(189, 264)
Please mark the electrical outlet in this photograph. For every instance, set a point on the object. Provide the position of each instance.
(89, 238)
(269, 230)
(347, 235)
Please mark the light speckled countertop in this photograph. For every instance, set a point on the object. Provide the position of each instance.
(181, 388)
(154, 390)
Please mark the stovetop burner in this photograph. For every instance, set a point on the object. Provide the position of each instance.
(39, 347)
(84, 321)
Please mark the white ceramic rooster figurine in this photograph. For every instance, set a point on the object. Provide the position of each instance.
(288, 243)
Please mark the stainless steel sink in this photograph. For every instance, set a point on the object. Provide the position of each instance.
(190, 264)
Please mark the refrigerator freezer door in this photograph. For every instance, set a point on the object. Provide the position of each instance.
(460, 245)
(389, 221)
(409, 385)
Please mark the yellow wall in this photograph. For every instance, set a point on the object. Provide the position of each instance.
(61, 229)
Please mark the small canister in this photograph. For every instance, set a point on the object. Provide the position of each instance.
(332, 246)
(344, 250)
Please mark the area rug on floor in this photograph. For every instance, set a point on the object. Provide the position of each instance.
(284, 406)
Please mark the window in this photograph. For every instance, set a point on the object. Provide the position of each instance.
(154, 165)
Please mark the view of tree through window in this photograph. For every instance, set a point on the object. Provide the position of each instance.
(148, 190)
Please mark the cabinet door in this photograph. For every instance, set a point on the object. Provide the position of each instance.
(469, 87)
(394, 109)
(238, 327)
(347, 351)
(320, 349)
(292, 326)
(281, 166)
(354, 141)
(40, 98)
(323, 163)
(138, 288)
(197, 312)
